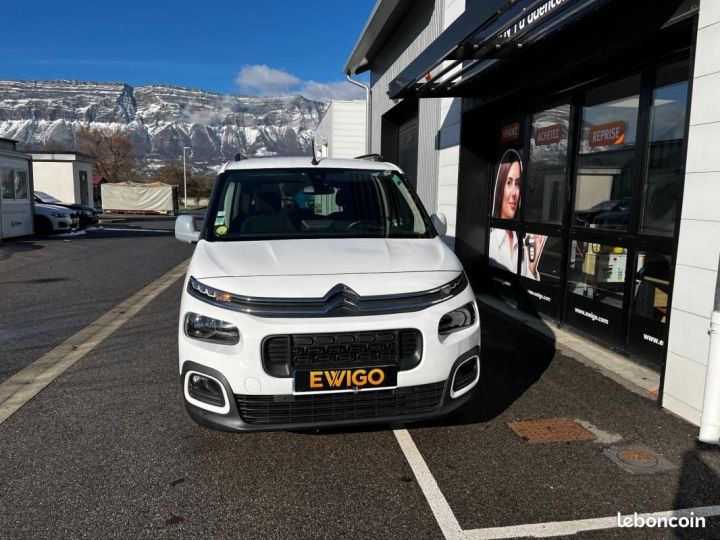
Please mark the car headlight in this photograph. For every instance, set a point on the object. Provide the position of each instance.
(59, 215)
(209, 329)
(458, 319)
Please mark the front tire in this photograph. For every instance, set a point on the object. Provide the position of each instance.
(43, 225)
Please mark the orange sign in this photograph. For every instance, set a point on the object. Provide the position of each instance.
(510, 132)
(607, 134)
(549, 134)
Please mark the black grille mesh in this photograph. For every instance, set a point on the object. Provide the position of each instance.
(280, 354)
(316, 408)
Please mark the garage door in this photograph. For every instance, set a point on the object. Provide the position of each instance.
(408, 149)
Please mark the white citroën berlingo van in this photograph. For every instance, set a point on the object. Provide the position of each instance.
(321, 294)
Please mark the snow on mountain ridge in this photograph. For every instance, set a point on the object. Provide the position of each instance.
(160, 119)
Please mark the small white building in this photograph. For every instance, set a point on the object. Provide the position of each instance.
(67, 176)
(16, 211)
(341, 131)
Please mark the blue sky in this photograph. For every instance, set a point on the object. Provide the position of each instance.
(248, 47)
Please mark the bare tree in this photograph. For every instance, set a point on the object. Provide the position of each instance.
(113, 151)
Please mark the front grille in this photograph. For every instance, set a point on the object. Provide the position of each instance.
(315, 408)
(281, 354)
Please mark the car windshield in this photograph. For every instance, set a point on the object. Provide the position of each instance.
(314, 203)
(44, 197)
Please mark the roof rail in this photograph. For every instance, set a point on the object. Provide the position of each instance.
(240, 156)
(371, 157)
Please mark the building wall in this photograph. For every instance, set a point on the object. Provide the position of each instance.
(449, 141)
(56, 178)
(348, 128)
(323, 133)
(420, 26)
(699, 247)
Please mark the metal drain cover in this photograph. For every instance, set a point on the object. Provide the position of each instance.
(638, 459)
(550, 430)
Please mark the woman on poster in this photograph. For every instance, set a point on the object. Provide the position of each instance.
(504, 248)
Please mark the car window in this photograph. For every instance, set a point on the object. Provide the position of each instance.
(315, 202)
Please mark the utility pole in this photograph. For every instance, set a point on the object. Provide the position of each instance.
(185, 177)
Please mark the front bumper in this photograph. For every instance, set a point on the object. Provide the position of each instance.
(342, 409)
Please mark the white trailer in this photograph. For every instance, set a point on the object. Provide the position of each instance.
(16, 206)
(140, 198)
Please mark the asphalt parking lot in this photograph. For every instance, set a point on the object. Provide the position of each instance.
(107, 450)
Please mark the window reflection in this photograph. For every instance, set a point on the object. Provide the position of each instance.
(663, 183)
(652, 286)
(598, 272)
(545, 193)
(607, 144)
(8, 184)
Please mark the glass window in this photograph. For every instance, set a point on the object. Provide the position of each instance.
(652, 286)
(21, 185)
(545, 192)
(8, 184)
(607, 144)
(325, 203)
(597, 272)
(663, 183)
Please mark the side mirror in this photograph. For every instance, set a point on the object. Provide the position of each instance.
(185, 229)
(439, 221)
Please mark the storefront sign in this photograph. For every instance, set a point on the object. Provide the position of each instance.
(510, 132)
(549, 135)
(607, 134)
(531, 18)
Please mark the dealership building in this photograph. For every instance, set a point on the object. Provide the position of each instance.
(572, 146)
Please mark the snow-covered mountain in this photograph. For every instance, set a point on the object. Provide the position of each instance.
(159, 119)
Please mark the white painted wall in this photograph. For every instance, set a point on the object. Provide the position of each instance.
(348, 120)
(699, 242)
(418, 28)
(342, 128)
(56, 178)
(449, 152)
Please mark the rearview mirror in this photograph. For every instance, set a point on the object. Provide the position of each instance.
(439, 221)
(185, 229)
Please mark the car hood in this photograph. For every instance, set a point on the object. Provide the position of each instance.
(51, 208)
(303, 268)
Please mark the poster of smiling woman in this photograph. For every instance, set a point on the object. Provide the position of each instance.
(504, 246)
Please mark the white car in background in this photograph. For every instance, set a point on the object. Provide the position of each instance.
(53, 219)
(321, 294)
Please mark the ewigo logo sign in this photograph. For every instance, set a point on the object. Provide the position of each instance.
(321, 380)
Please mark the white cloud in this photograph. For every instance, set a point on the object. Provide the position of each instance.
(330, 91)
(264, 80)
(261, 79)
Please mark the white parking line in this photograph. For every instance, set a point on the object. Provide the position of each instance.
(438, 504)
(26, 383)
(451, 528)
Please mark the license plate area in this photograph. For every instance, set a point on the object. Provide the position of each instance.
(348, 379)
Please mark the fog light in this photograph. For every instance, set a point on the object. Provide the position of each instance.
(457, 320)
(206, 389)
(209, 329)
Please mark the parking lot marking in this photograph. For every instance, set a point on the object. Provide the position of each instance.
(451, 529)
(26, 383)
(438, 504)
